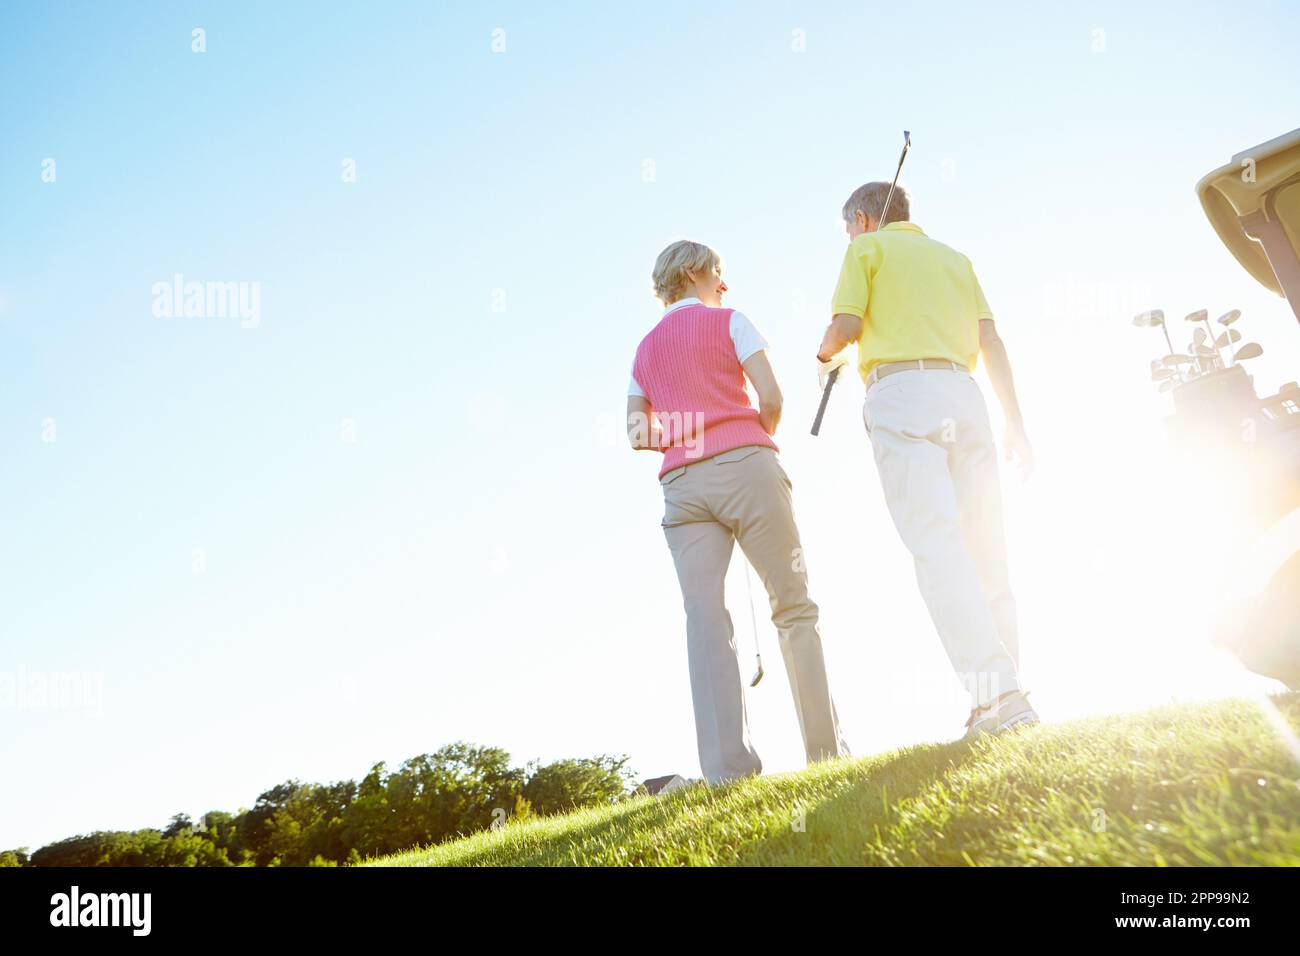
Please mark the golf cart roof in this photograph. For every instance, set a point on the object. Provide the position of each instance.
(1254, 205)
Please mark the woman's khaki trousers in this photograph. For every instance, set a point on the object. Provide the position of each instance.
(743, 496)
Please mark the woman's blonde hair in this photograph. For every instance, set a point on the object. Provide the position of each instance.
(671, 268)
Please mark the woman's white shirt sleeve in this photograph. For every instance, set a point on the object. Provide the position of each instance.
(745, 337)
(634, 387)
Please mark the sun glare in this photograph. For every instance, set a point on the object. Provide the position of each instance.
(1127, 562)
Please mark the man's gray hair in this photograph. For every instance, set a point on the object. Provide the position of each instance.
(870, 200)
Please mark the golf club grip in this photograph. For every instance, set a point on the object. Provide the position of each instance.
(826, 394)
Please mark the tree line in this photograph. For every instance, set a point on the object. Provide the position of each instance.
(434, 797)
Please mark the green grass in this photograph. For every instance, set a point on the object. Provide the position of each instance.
(1180, 785)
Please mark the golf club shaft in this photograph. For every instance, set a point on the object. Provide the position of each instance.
(826, 394)
(753, 624)
(884, 213)
(1214, 344)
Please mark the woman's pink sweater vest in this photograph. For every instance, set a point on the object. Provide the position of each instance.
(688, 369)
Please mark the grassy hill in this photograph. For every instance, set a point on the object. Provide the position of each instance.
(1181, 785)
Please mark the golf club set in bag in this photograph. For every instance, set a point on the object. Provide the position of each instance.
(1208, 381)
(1204, 354)
(1220, 420)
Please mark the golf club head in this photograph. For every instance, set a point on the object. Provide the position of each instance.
(1199, 337)
(1150, 320)
(1229, 317)
(758, 674)
(1178, 358)
(1200, 315)
(1227, 337)
(1248, 351)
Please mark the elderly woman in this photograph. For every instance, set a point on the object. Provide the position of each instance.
(723, 483)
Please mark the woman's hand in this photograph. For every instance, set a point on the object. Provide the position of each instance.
(760, 374)
(643, 432)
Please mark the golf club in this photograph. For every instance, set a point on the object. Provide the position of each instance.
(1227, 338)
(1153, 319)
(826, 394)
(1207, 359)
(1198, 347)
(753, 622)
(1248, 351)
(1178, 363)
(1201, 315)
(884, 214)
(1226, 320)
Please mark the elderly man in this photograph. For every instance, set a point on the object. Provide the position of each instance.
(919, 317)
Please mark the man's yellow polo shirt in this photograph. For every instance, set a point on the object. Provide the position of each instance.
(917, 298)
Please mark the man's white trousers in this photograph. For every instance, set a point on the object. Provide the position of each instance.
(938, 467)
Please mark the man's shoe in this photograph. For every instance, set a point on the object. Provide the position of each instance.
(1012, 709)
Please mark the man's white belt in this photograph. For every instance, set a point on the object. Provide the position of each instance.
(889, 368)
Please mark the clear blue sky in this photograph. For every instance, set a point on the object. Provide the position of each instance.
(483, 561)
